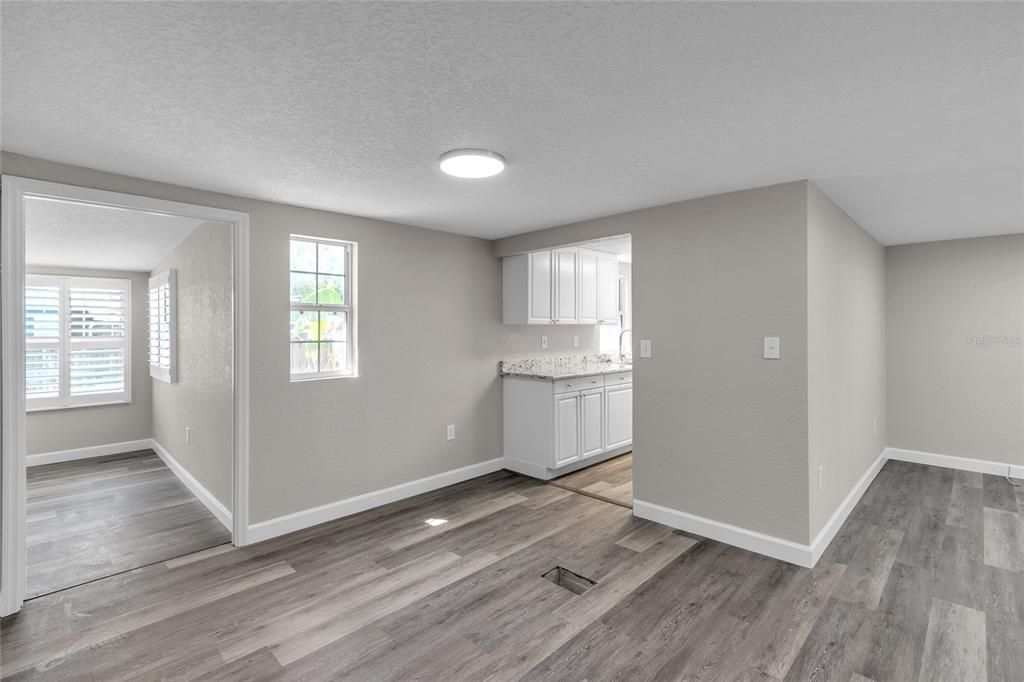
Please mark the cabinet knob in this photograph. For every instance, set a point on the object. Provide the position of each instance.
(568, 385)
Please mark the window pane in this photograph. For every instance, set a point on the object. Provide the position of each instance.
(332, 357)
(42, 373)
(332, 259)
(97, 312)
(42, 319)
(97, 370)
(304, 326)
(331, 290)
(303, 256)
(333, 326)
(303, 288)
(304, 358)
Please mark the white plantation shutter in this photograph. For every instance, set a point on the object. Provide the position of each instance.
(163, 339)
(78, 346)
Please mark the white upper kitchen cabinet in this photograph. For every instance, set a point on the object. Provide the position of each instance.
(607, 290)
(561, 286)
(527, 288)
(566, 264)
(588, 287)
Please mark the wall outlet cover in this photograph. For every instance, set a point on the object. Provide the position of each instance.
(772, 348)
(544, 342)
(451, 432)
(646, 350)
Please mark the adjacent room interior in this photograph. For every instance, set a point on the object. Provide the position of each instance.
(127, 360)
(518, 341)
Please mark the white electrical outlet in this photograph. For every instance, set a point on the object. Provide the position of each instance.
(188, 435)
(772, 348)
(821, 476)
(544, 342)
(451, 432)
(576, 341)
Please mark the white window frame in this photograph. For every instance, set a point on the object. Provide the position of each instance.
(168, 280)
(64, 343)
(349, 307)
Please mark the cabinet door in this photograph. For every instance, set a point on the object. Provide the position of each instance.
(539, 282)
(588, 287)
(618, 416)
(607, 290)
(592, 422)
(567, 429)
(566, 285)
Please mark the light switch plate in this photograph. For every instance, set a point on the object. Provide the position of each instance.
(772, 348)
(645, 348)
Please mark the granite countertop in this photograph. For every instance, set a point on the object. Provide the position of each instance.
(563, 367)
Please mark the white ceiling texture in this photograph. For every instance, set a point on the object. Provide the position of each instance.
(909, 115)
(61, 233)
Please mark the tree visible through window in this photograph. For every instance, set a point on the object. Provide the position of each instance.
(322, 310)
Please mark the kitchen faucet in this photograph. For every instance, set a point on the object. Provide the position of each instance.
(622, 356)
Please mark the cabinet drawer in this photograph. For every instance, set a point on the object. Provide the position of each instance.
(578, 384)
(618, 378)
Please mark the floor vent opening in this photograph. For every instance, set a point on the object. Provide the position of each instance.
(573, 582)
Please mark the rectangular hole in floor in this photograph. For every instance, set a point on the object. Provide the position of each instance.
(573, 582)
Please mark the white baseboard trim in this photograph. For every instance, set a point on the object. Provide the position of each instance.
(838, 518)
(769, 545)
(981, 466)
(289, 523)
(525, 468)
(222, 513)
(88, 452)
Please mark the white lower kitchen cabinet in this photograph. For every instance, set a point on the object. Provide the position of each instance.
(553, 427)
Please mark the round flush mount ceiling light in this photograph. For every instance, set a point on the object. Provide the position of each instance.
(472, 163)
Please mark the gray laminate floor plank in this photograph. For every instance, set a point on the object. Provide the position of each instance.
(611, 480)
(95, 517)
(922, 582)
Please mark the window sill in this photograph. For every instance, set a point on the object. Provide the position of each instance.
(323, 377)
(53, 408)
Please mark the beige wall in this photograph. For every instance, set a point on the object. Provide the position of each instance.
(719, 432)
(201, 397)
(79, 427)
(845, 354)
(947, 395)
(430, 336)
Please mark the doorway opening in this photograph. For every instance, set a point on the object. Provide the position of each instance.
(125, 366)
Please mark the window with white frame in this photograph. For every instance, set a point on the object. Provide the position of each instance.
(163, 332)
(322, 324)
(77, 341)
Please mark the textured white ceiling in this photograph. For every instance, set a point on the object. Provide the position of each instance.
(908, 114)
(84, 236)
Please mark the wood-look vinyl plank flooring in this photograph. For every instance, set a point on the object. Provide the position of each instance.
(610, 480)
(921, 583)
(96, 517)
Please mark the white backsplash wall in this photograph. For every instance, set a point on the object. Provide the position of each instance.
(521, 341)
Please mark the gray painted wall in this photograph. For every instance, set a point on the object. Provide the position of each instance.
(201, 397)
(79, 427)
(947, 393)
(430, 337)
(711, 278)
(845, 354)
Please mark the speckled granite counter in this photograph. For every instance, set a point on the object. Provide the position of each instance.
(563, 367)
